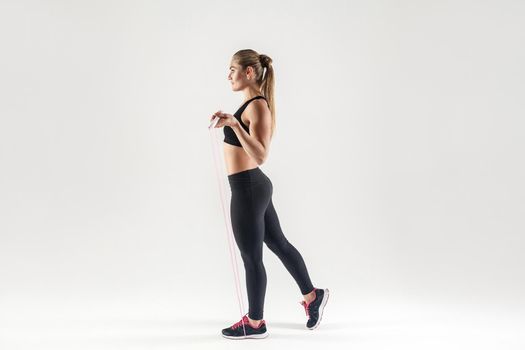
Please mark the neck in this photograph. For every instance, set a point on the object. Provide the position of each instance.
(250, 93)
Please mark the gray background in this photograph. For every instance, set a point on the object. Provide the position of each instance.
(397, 166)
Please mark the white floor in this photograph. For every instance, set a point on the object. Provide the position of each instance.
(356, 325)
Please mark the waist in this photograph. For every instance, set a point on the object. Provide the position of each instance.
(237, 159)
(254, 175)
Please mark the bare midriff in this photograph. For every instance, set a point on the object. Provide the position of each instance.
(237, 159)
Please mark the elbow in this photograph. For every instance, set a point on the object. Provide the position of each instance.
(261, 159)
(262, 155)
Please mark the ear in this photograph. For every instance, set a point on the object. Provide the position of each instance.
(249, 71)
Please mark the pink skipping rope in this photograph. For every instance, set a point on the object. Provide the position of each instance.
(220, 172)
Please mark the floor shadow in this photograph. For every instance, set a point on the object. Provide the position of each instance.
(302, 326)
(286, 325)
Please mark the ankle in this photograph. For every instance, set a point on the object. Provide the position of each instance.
(310, 296)
(254, 323)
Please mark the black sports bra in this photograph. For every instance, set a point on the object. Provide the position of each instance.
(229, 134)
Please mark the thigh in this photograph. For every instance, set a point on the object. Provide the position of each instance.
(273, 236)
(247, 223)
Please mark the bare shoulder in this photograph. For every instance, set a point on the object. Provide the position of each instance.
(258, 111)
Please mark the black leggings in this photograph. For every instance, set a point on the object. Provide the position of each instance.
(254, 220)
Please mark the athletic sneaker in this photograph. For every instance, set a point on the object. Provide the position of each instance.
(314, 309)
(240, 331)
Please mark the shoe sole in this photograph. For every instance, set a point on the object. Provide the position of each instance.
(251, 336)
(321, 308)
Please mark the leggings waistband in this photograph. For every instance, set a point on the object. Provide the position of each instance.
(254, 175)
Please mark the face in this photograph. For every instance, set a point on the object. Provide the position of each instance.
(237, 77)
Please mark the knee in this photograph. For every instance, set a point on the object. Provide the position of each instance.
(251, 260)
(278, 247)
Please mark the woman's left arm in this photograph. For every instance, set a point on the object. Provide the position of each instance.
(257, 142)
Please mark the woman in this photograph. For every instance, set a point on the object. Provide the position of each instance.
(247, 136)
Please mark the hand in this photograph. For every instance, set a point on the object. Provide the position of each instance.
(225, 119)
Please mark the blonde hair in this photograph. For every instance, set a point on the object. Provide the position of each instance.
(265, 79)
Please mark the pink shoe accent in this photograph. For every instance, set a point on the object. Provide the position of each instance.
(246, 322)
(307, 305)
(243, 321)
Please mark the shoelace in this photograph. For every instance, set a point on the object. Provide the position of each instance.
(242, 322)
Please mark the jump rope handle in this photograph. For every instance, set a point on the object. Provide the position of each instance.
(214, 122)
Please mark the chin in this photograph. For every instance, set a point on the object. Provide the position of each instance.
(235, 87)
